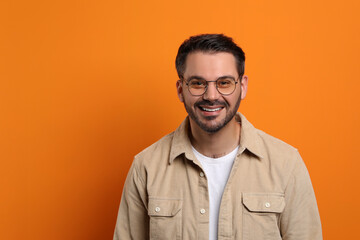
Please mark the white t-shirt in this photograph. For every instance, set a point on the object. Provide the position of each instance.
(217, 171)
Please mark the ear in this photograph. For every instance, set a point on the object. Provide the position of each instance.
(243, 86)
(179, 89)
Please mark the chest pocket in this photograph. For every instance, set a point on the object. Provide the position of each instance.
(261, 212)
(165, 218)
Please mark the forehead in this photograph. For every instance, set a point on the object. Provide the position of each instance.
(210, 65)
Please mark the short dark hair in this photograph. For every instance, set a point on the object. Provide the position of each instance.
(209, 43)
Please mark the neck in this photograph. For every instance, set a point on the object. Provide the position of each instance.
(216, 144)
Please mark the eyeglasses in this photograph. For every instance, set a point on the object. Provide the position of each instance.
(224, 85)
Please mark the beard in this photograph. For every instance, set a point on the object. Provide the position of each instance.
(203, 123)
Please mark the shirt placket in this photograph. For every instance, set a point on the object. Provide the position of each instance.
(225, 214)
(203, 208)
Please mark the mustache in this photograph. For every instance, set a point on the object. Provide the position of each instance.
(211, 103)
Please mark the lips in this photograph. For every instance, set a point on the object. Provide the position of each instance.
(207, 109)
(210, 108)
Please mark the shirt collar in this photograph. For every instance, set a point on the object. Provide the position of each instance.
(181, 142)
(249, 140)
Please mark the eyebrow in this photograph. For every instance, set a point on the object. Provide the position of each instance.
(201, 78)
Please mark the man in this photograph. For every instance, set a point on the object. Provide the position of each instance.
(216, 176)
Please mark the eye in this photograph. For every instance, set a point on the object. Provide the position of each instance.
(224, 83)
(197, 83)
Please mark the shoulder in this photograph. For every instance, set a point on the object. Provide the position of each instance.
(278, 154)
(274, 145)
(264, 145)
(156, 153)
(281, 160)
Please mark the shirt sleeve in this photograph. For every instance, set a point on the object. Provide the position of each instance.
(300, 219)
(133, 220)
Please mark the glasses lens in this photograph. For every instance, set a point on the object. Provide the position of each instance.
(197, 86)
(225, 85)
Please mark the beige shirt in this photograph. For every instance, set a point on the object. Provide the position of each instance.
(268, 196)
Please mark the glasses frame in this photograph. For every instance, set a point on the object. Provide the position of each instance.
(207, 84)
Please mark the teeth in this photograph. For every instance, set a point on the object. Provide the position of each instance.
(211, 110)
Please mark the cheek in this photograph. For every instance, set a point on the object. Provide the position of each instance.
(233, 100)
(190, 100)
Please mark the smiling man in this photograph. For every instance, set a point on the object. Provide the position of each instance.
(217, 176)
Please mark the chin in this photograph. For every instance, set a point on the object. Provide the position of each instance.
(211, 128)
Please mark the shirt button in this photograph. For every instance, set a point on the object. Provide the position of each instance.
(267, 204)
(202, 174)
(202, 211)
(157, 209)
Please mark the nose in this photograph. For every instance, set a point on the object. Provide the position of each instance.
(211, 93)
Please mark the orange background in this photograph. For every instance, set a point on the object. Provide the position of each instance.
(85, 85)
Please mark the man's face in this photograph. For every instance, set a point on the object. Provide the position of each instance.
(211, 111)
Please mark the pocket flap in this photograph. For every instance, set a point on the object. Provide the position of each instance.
(164, 207)
(264, 202)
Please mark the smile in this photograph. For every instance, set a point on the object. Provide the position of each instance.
(210, 109)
